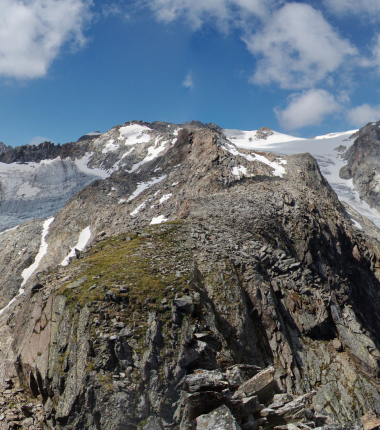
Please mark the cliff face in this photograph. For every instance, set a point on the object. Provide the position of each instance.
(363, 163)
(218, 287)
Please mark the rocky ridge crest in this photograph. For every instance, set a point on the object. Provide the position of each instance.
(217, 284)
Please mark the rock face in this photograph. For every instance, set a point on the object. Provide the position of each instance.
(196, 287)
(363, 163)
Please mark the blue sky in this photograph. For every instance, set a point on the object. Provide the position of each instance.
(68, 67)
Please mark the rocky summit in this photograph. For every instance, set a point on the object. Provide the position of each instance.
(161, 276)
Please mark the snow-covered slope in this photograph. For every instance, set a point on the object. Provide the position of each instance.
(327, 150)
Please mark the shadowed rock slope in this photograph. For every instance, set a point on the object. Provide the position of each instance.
(205, 298)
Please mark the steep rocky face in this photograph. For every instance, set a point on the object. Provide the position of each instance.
(219, 286)
(363, 163)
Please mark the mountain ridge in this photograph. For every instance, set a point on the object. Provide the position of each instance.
(203, 280)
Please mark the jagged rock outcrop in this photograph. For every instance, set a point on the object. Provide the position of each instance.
(217, 284)
(363, 163)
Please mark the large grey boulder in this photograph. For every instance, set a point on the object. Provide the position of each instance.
(206, 380)
(219, 419)
(261, 385)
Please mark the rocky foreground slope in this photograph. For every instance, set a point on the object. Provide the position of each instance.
(201, 286)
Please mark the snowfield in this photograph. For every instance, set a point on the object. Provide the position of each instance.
(325, 149)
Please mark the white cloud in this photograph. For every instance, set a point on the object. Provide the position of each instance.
(294, 45)
(188, 81)
(363, 114)
(115, 9)
(374, 59)
(223, 12)
(297, 48)
(307, 108)
(344, 7)
(33, 32)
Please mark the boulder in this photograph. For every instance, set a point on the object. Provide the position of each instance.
(261, 385)
(294, 411)
(280, 400)
(240, 373)
(370, 421)
(203, 403)
(220, 418)
(184, 304)
(206, 380)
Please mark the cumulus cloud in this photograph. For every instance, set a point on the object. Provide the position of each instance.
(361, 115)
(294, 45)
(307, 108)
(33, 32)
(188, 82)
(297, 48)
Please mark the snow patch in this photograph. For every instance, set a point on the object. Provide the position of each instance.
(158, 220)
(239, 171)
(27, 273)
(110, 146)
(46, 162)
(84, 237)
(9, 229)
(138, 209)
(278, 170)
(134, 133)
(82, 166)
(356, 224)
(165, 197)
(153, 151)
(251, 140)
(144, 186)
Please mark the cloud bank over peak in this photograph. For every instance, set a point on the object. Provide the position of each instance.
(33, 32)
(363, 114)
(307, 108)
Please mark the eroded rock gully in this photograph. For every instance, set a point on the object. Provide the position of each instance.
(256, 306)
